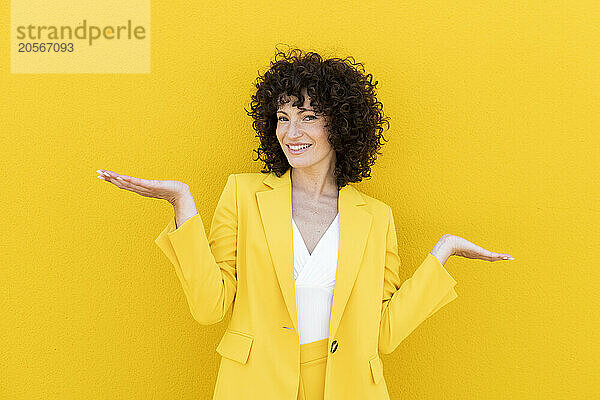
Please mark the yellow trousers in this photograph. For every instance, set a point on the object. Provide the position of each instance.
(313, 360)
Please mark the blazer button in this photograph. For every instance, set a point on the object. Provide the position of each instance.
(334, 346)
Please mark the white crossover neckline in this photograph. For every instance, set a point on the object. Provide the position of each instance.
(318, 268)
(314, 276)
(310, 255)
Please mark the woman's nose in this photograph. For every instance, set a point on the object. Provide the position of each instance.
(294, 131)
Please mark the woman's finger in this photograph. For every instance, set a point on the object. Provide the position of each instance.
(114, 181)
(145, 183)
(165, 189)
(124, 184)
(504, 256)
(139, 182)
(492, 256)
(128, 184)
(467, 249)
(113, 175)
(108, 173)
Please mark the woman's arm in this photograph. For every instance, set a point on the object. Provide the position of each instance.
(184, 208)
(406, 305)
(205, 266)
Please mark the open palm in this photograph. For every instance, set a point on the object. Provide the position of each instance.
(464, 248)
(160, 189)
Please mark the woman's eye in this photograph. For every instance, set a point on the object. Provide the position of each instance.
(285, 119)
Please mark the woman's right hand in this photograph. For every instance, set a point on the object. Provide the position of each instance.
(172, 191)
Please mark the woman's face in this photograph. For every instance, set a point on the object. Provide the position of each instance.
(298, 127)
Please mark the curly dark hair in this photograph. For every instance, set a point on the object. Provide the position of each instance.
(339, 89)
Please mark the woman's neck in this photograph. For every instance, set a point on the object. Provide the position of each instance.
(314, 184)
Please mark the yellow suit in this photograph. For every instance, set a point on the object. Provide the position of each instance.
(247, 260)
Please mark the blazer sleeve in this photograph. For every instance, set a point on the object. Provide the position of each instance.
(206, 266)
(406, 306)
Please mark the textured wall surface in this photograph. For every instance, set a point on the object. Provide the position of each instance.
(493, 137)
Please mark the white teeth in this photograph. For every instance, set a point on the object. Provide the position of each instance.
(296, 148)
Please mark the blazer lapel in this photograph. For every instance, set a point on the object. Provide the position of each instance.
(275, 207)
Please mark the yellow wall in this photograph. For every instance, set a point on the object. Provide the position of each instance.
(494, 137)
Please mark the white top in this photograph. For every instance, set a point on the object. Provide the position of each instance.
(314, 276)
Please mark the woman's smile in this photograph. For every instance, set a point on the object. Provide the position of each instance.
(298, 149)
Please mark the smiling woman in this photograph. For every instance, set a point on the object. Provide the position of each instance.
(301, 132)
(309, 263)
(328, 104)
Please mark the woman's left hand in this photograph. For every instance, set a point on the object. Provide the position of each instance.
(463, 248)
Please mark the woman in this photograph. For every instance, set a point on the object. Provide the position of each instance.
(280, 243)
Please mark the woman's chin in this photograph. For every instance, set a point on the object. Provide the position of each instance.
(295, 163)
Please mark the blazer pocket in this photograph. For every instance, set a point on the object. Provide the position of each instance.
(235, 345)
(376, 368)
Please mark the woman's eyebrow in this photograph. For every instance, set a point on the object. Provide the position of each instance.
(303, 110)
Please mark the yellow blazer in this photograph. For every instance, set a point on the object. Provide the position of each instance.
(247, 260)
